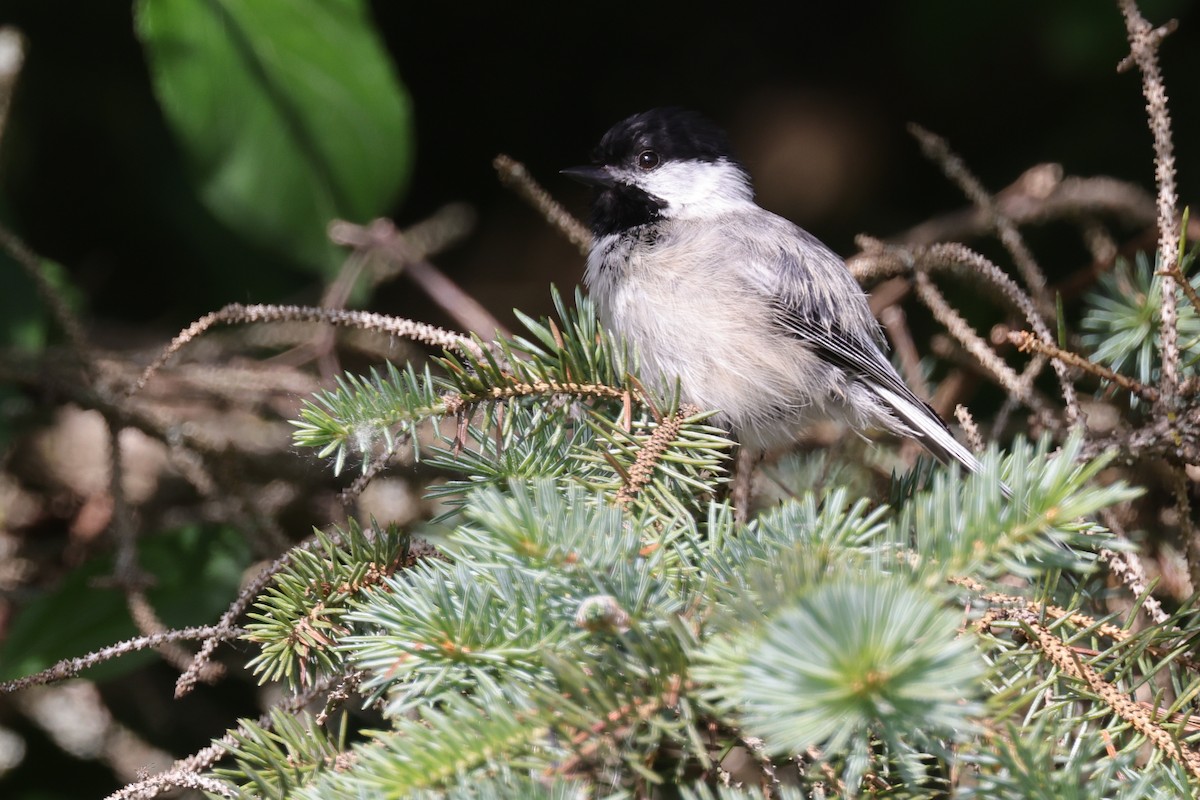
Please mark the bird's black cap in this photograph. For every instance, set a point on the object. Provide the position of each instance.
(672, 133)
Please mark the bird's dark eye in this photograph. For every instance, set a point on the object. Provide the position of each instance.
(647, 159)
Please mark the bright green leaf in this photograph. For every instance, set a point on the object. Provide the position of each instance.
(288, 112)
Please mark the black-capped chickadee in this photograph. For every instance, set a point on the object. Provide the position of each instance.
(754, 316)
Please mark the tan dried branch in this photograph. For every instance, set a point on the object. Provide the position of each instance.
(970, 429)
(237, 313)
(188, 679)
(417, 550)
(1144, 40)
(1126, 567)
(974, 344)
(938, 150)
(1174, 269)
(1043, 194)
(896, 326)
(1026, 342)
(878, 260)
(642, 470)
(1063, 657)
(59, 308)
(979, 265)
(406, 252)
(1079, 620)
(514, 175)
(71, 667)
(204, 758)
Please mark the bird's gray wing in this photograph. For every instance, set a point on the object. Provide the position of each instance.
(863, 360)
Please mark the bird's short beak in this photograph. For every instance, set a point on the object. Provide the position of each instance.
(592, 176)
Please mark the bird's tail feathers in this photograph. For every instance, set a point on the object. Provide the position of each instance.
(928, 429)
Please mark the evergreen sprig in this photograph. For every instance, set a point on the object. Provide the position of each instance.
(598, 616)
(275, 760)
(1122, 325)
(300, 616)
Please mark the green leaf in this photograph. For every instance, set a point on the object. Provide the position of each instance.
(288, 112)
(195, 570)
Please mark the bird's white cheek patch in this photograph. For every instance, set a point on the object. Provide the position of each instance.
(697, 189)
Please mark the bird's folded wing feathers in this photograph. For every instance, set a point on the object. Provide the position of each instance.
(863, 360)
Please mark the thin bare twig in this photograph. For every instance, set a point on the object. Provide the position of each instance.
(1132, 712)
(970, 429)
(59, 308)
(1174, 269)
(514, 175)
(236, 313)
(1127, 568)
(879, 259)
(1027, 342)
(938, 150)
(205, 757)
(1144, 40)
(249, 593)
(381, 239)
(956, 253)
(71, 667)
(961, 330)
(894, 323)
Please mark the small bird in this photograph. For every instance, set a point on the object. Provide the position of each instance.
(753, 315)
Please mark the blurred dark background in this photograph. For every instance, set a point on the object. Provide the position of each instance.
(816, 96)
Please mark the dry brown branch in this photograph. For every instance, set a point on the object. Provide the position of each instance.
(896, 326)
(343, 689)
(172, 779)
(249, 593)
(1026, 342)
(1172, 268)
(970, 429)
(643, 466)
(417, 549)
(1041, 195)
(1114, 632)
(1127, 568)
(961, 330)
(60, 309)
(1144, 40)
(514, 175)
(236, 313)
(1127, 709)
(957, 254)
(71, 667)
(879, 260)
(1174, 438)
(405, 252)
(204, 758)
(937, 150)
